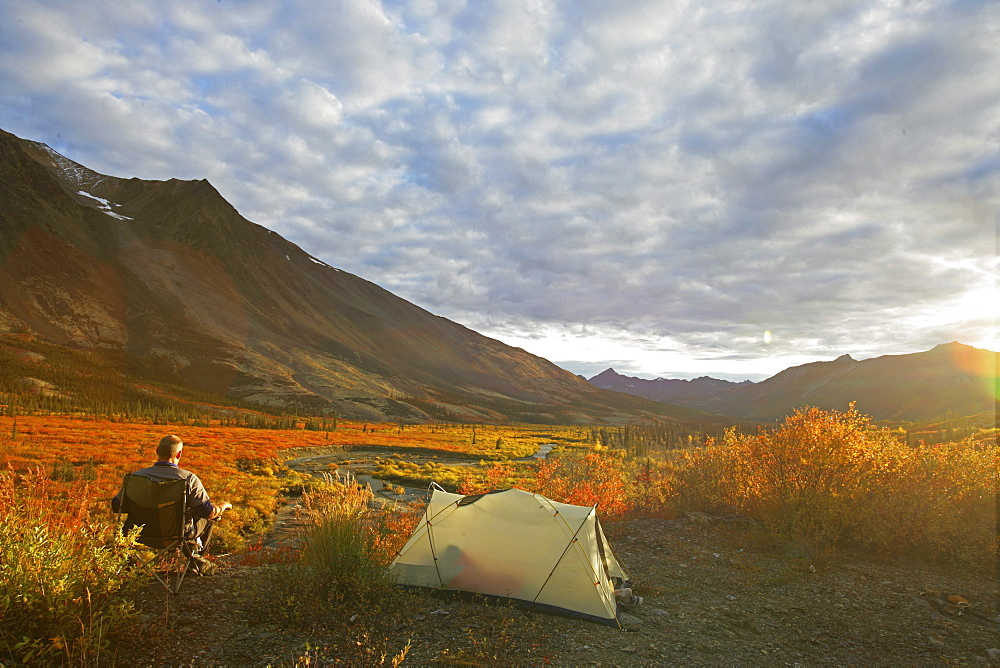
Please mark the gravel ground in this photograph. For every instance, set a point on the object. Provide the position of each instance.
(713, 596)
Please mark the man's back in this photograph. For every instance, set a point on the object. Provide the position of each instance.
(198, 501)
(162, 471)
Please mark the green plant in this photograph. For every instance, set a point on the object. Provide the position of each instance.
(63, 575)
(341, 559)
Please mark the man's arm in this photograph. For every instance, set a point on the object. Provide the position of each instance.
(199, 502)
(219, 509)
(116, 500)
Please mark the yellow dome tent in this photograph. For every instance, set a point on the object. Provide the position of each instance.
(518, 545)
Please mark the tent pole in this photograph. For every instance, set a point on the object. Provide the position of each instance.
(559, 560)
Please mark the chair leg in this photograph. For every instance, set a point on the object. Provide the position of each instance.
(152, 566)
(206, 537)
(169, 566)
(181, 573)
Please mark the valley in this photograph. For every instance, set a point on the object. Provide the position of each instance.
(721, 584)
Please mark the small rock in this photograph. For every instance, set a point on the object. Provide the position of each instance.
(631, 649)
(420, 618)
(218, 592)
(628, 620)
(730, 597)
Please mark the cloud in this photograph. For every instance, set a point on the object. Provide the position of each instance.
(677, 178)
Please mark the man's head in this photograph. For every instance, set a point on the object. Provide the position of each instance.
(169, 448)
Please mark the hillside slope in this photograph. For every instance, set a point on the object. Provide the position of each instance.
(169, 273)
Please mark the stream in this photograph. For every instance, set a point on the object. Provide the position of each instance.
(287, 524)
(318, 465)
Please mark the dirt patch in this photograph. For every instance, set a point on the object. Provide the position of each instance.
(712, 596)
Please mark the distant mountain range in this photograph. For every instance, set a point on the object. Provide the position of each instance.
(665, 389)
(952, 379)
(166, 280)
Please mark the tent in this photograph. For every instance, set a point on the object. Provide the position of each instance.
(517, 545)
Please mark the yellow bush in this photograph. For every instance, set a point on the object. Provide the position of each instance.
(833, 480)
(809, 478)
(937, 501)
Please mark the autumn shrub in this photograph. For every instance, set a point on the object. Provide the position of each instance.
(808, 478)
(834, 480)
(64, 581)
(594, 478)
(499, 476)
(598, 478)
(692, 480)
(937, 501)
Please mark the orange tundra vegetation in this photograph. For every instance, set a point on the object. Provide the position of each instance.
(237, 464)
(830, 480)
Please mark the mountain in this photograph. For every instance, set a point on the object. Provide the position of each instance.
(951, 379)
(664, 389)
(167, 280)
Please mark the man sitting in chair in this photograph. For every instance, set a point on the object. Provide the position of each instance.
(169, 452)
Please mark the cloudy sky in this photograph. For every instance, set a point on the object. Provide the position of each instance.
(671, 188)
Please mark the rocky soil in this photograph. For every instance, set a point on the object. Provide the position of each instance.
(714, 595)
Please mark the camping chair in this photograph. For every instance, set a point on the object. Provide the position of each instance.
(160, 508)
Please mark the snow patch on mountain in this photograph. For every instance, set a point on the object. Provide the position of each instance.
(104, 205)
(321, 263)
(73, 172)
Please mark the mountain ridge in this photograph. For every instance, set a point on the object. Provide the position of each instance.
(662, 389)
(950, 379)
